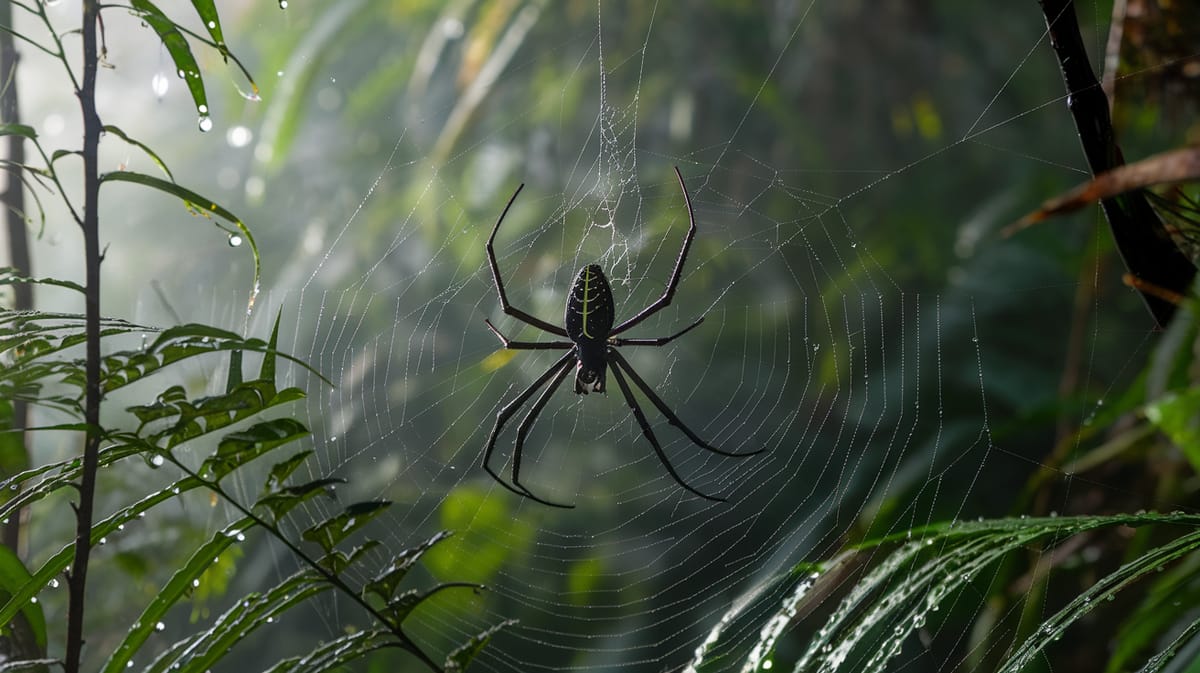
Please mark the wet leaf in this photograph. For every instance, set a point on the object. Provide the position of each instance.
(179, 49)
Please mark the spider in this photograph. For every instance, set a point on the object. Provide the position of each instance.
(591, 351)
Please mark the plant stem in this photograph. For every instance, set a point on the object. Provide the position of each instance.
(13, 199)
(91, 246)
(1140, 235)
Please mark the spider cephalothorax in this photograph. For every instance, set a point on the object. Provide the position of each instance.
(592, 351)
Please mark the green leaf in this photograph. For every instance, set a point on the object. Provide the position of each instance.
(172, 592)
(11, 276)
(336, 561)
(399, 608)
(460, 658)
(1169, 601)
(284, 500)
(336, 653)
(14, 459)
(1177, 414)
(179, 49)
(56, 564)
(58, 475)
(385, 583)
(18, 130)
(197, 204)
(267, 372)
(333, 530)
(27, 630)
(162, 165)
(233, 377)
(282, 470)
(207, 11)
(202, 651)
(238, 448)
(867, 629)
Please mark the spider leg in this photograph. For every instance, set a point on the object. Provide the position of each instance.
(620, 363)
(562, 364)
(527, 423)
(528, 345)
(665, 300)
(656, 341)
(649, 434)
(508, 308)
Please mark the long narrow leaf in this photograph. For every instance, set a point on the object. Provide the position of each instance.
(196, 202)
(28, 630)
(56, 564)
(174, 590)
(250, 613)
(162, 165)
(179, 49)
(335, 653)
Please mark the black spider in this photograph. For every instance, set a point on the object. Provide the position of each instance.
(592, 349)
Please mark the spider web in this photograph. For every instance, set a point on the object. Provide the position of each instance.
(867, 370)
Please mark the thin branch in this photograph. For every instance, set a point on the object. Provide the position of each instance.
(1147, 249)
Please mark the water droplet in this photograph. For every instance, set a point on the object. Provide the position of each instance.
(129, 664)
(195, 583)
(53, 583)
(212, 24)
(283, 4)
(452, 29)
(206, 123)
(157, 461)
(181, 73)
(33, 600)
(160, 626)
(235, 240)
(103, 540)
(238, 136)
(202, 109)
(159, 84)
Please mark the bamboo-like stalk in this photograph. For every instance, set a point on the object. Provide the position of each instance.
(91, 244)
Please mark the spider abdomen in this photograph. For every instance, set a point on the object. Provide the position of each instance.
(589, 322)
(589, 318)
